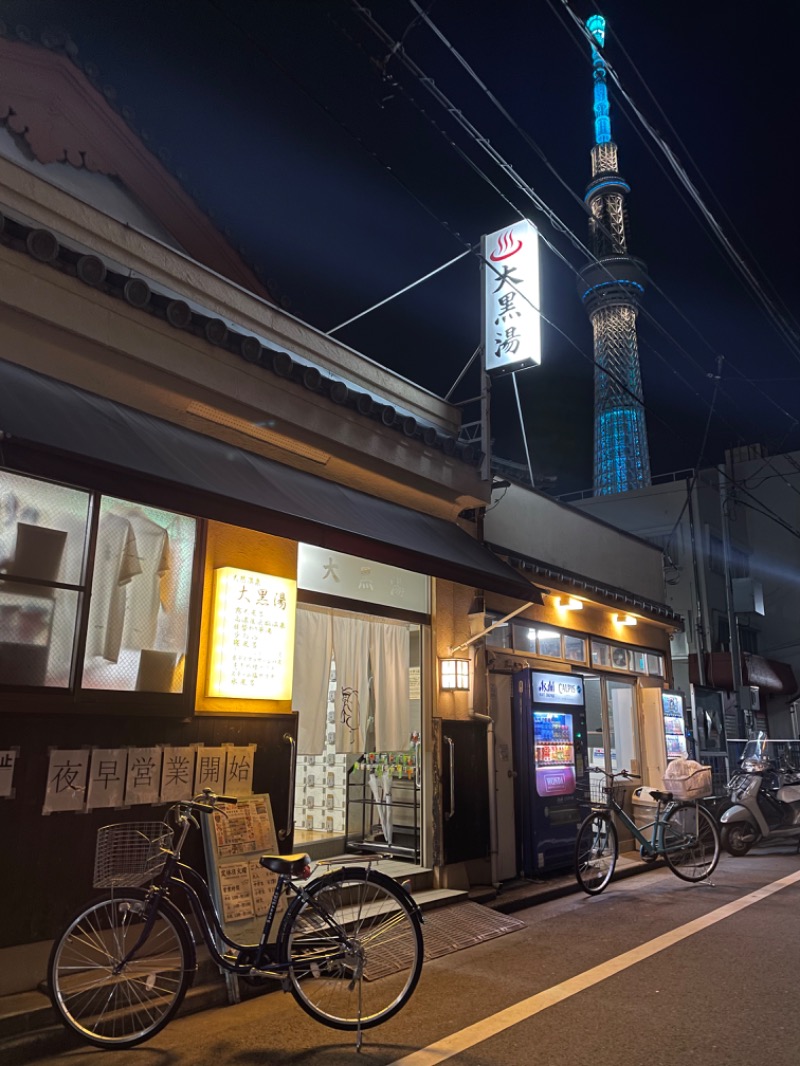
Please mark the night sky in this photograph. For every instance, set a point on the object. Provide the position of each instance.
(333, 168)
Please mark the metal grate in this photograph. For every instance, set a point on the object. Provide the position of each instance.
(449, 929)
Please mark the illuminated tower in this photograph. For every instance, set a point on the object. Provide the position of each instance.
(610, 288)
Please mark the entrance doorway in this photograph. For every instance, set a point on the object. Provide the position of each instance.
(613, 733)
(612, 723)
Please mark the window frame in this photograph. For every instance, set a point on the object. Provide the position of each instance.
(112, 701)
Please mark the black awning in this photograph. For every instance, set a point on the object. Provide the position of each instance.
(55, 430)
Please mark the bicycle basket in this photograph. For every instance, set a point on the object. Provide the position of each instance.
(130, 853)
(599, 792)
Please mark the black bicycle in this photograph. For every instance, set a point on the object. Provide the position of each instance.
(349, 947)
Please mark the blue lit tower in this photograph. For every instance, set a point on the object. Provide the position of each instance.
(610, 288)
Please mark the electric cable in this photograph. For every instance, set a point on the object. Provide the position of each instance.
(554, 220)
(396, 51)
(789, 335)
(643, 311)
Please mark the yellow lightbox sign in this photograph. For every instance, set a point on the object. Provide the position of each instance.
(252, 640)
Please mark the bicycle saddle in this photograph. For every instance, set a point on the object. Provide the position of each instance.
(662, 797)
(288, 865)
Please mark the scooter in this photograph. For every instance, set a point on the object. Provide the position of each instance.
(764, 796)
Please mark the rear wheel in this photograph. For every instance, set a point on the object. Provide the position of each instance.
(595, 853)
(739, 837)
(115, 1006)
(691, 842)
(354, 948)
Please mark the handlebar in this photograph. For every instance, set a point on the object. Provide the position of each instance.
(206, 802)
(612, 774)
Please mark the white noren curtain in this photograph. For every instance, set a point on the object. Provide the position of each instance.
(312, 670)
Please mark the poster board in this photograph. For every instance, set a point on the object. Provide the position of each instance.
(235, 838)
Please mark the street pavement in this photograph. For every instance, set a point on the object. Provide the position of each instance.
(653, 972)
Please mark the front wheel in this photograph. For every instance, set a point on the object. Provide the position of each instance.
(109, 1004)
(691, 842)
(595, 853)
(739, 837)
(354, 948)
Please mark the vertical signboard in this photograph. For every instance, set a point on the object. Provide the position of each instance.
(252, 644)
(512, 334)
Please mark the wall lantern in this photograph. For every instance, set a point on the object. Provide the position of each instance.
(624, 619)
(454, 674)
(572, 603)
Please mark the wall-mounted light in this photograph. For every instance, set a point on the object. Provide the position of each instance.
(454, 674)
(571, 604)
(624, 619)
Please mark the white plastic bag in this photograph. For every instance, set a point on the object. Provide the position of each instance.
(687, 779)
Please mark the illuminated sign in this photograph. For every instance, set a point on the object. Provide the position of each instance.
(337, 574)
(512, 332)
(252, 642)
(556, 688)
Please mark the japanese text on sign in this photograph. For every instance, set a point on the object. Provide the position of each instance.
(511, 319)
(252, 647)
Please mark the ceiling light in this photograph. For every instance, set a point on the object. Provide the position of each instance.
(624, 619)
(572, 604)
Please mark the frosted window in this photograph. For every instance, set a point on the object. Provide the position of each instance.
(42, 543)
(141, 587)
(575, 649)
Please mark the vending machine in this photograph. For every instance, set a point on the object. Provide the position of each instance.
(674, 725)
(550, 760)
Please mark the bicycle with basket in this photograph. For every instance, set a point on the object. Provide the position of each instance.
(683, 833)
(349, 947)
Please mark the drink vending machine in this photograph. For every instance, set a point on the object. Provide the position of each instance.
(550, 757)
(674, 725)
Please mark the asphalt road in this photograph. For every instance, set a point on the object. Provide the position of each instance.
(653, 972)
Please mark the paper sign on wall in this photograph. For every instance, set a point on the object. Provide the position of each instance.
(210, 769)
(177, 774)
(67, 773)
(239, 770)
(144, 775)
(8, 760)
(107, 770)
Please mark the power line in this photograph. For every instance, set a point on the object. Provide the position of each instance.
(789, 335)
(422, 15)
(528, 140)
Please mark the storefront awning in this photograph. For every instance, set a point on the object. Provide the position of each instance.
(57, 431)
(771, 675)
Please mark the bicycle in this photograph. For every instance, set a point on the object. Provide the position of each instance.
(683, 833)
(119, 971)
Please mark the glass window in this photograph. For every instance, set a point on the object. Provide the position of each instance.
(622, 725)
(524, 637)
(621, 658)
(639, 661)
(500, 637)
(655, 665)
(574, 648)
(43, 531)
(601, 654)
(548, 642)
(141, 587)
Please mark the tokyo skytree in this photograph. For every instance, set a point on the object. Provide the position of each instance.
(610, 288)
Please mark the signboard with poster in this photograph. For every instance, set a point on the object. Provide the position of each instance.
(512, 329)
(252, 639)
(235, 838)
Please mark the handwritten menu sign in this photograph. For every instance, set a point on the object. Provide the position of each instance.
(242, 889)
